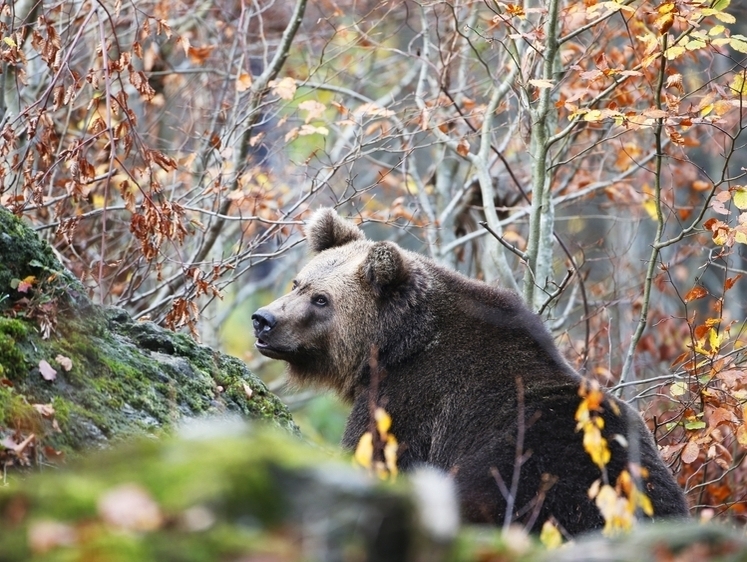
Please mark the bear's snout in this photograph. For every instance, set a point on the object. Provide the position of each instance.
(263, 321)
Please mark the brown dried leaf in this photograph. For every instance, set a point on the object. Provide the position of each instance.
(463, 147)
(690, 452)
(721, 415)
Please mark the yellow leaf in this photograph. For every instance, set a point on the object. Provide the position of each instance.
(596, 445)
(9, 41)
(644, 502)
(721, 5)
(674, 51)
(726, 18)
(364, 450)
(678, 389)
(593, 115)
(740, 198)
(738, 44)
(716, 30)
(383, 422)
(390, 456)
(550, 536)
(742, 435)
(695, 44)
(649, 205)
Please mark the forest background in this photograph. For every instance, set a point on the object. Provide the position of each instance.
(586, 155)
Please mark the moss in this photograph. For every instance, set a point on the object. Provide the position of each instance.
(221, 494)
(16, 413)
(126, 378)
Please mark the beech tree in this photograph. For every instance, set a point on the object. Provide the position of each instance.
(586, 155)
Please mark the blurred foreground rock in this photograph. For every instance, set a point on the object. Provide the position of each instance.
(74, 375)
(213, 495)
(220, 492)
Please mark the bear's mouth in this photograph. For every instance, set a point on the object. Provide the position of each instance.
(267, 350)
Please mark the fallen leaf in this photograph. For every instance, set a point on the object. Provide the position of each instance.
(46, 410)
(47, 371)
(130, 507)
(248, 390)
(65, 362)
(44, 536)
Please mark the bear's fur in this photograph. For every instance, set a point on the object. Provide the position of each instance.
(460, 360)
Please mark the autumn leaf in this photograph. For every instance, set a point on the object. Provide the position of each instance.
(25, 284)
(550, 535)
(65, 362)
(199, 55)
(45, 410)
(678, 389)
(537, 83)
(463, 147)
(740, 198)
(697, 292)
(46, 370)
(729, 283)
(313, 108)
(742, 435)
(364, 450)
(131, 508)
(284, 89)
(45, 535)
(243, 82)
(690, 452)
(383, 422)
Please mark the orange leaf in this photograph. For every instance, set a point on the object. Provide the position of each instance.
(696, 292)
(463, 147)
(729, 283)
(701, 331)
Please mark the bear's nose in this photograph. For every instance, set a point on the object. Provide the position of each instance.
(263, 320)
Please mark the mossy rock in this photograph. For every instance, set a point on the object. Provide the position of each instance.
(75, 375)
(220, 493)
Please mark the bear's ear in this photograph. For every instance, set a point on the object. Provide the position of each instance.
(325, 229)
(384, 268)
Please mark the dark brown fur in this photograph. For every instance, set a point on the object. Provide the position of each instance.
(452, 349)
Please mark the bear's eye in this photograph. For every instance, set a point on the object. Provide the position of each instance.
(320, 300)
(295, 285)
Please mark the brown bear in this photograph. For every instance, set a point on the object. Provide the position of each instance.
(470, 376)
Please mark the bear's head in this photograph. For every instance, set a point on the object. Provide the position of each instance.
(354, 295)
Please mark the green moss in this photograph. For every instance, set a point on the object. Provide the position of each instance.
(125, 378)
(16, 413)
(12, 361)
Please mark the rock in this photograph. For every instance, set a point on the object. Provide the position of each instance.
(213, 493)
(74, 375)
